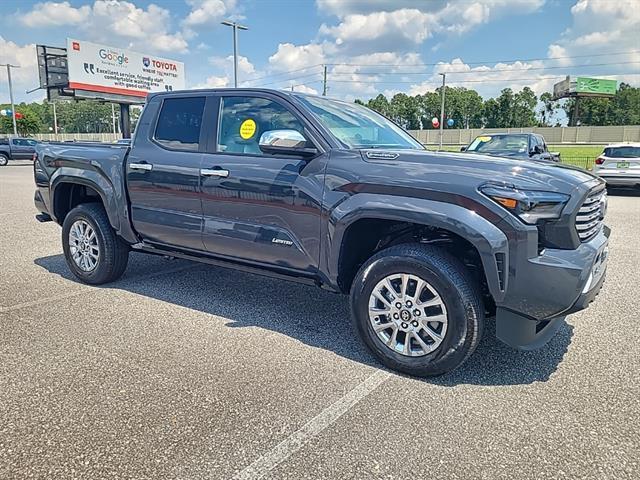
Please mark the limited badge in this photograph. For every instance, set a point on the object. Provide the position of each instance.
(248, 129)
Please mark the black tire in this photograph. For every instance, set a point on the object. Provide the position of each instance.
(457, 289)
(4, 160)
(114, 253)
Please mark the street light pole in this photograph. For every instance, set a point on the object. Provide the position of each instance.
(442, 110)
(13, 108)
(236, 26)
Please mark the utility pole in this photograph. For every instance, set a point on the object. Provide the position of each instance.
(13, 108)
(236, 27)
(55, 119)
(444, 75)
(324, 82)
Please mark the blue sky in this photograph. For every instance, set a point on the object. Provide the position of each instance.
(371, 46)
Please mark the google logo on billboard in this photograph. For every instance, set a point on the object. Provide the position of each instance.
(111, 56)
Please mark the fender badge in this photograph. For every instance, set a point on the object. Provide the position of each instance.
(382, 155)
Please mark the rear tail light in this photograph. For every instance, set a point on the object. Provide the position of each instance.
(35, 157)
(599, 161)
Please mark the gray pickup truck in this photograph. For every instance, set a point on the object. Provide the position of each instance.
(16, 149)
(332, 194)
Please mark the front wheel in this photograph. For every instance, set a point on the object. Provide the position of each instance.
(417, 309)
(4, 160)
(92, 250)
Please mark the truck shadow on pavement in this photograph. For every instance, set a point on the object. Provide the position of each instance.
(310, 315)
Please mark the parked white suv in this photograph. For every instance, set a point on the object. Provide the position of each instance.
(619, 165)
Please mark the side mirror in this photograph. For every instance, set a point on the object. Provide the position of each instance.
(463, 149)
(285, 142)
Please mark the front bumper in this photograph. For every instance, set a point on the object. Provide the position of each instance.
(561, 282)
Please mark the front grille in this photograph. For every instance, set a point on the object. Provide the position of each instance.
(591, 214)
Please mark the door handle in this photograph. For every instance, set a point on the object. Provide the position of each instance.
(211, 172)
(141, 166)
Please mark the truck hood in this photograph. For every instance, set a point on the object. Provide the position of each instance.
(444, 168)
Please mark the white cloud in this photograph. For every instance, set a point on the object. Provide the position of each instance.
(601, 27)
(245, 67)
(305, 89)
(113, 21)
(55, 14)
(291, 57)
(214, 82)
(408, 24)
(489, 80)
(207, 12)
(23, 78)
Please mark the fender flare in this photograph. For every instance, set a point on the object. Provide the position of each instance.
(88, 178)
(484, 235)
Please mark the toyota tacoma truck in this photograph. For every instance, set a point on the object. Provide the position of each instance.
(319, 191)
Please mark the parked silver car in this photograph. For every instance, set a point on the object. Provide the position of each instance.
(619, 165)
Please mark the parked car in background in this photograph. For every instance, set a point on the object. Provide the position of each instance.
(619, 165)
(529, 146)
(16, 149)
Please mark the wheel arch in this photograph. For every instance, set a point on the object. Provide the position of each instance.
(68, 189)
(367, 210)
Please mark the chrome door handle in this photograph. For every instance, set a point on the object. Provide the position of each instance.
(210, 172)
(141, 166)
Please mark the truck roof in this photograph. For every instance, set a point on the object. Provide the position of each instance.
(235, 90)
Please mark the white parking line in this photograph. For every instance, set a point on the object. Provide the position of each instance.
(294, 442)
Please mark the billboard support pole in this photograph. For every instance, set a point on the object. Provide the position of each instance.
(125, 122)
(55, 119)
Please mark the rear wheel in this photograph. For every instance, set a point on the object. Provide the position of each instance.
(417, 309)
(91, 248)
(3, 160)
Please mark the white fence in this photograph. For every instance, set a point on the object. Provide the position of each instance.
(91, 137)
(553, 135)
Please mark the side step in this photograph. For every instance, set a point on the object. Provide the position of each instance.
(43, 217)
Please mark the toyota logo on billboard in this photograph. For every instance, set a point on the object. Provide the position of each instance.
(146, 61)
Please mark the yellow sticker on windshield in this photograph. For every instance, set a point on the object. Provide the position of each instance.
(484, 139)
(248, 129)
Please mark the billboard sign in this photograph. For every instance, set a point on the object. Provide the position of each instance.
(596, 86)
(562, 89)
(100, 68)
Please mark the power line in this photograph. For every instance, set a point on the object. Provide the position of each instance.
(484, 62)
(504, 80)
(467, 72)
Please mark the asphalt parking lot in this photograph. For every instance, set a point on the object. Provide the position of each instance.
(181, 370)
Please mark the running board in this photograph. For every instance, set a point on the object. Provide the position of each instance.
(282, 275)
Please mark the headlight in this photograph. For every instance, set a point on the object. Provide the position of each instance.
(530, 206)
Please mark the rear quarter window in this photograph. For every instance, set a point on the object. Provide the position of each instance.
(179, 123)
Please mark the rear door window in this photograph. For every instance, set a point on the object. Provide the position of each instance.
(179, 123)
(622, 152)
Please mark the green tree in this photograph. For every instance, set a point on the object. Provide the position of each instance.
(548, 109)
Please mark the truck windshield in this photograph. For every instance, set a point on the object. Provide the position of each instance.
(357, 126)
(500, 143)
